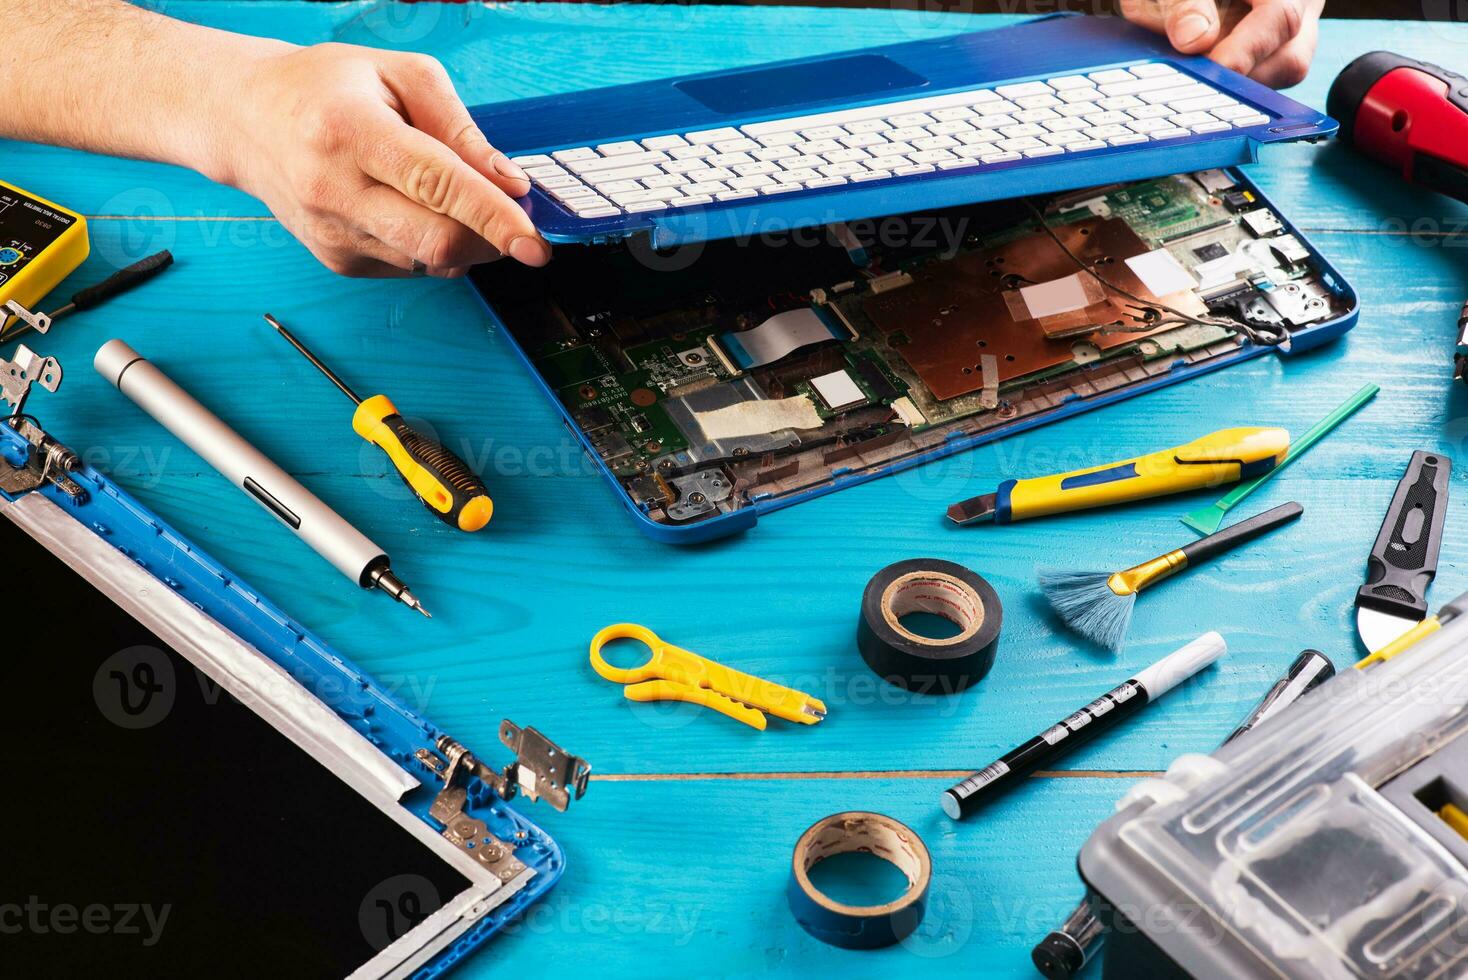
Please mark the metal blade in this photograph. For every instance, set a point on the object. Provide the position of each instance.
(1377, 628)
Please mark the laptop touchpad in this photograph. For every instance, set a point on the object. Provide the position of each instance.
(742, 92)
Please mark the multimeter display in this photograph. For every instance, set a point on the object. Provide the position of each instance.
(27, 228)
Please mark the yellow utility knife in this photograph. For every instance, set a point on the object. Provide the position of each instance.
(674, 674)
(1225, 456)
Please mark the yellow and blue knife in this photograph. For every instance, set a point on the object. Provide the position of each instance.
(1225, 456)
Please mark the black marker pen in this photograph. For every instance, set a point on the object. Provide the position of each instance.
(1106, 712)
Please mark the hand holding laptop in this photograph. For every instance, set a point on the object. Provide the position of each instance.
(1271, 41)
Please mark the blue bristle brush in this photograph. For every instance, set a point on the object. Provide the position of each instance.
(1098, 605)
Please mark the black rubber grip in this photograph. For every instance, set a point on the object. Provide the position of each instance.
(1403, 561)
(462, 483)
(123, 279)
(1236, 534)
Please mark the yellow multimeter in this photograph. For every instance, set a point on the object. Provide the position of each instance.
(41, 243)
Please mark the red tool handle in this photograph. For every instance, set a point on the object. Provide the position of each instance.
(1409, 114)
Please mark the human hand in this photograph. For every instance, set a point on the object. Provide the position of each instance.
(371, 160)
(1271, 41)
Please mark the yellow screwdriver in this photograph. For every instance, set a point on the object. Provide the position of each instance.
(443, 481)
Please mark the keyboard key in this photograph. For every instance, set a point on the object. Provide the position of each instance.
(1020, 143)
(935, 143)
(600, 177)
(980, 136)
(537, 160)
(862, 126)
(705, 136)
(1107, 132)
(818, 146)
(1216, 126)
(889, 150)
(1136, 86)
(1148, 125)
(584, 167)
(1110, 76)
(1069, 82)
(1023, 89)
(858, 140)
(741, 145)
(755, 168)
(908, 133)
(770, 153)
(844, 169)
(977, 151)
(1024, 129)
(995, 121)
(1125, 139)
(1002, 156)
(1167, 134)
(685, 166)
(663, 142)
(618, 149)
(1122, 102)
(950, 128)
(580, 153)
(930, 156)
(753, 181)
(1108, 118)
(780, 188)
(911, 119)
(598, 212)
(690, 200)
(824, 182)
(1035, 115)
(799, 175)
(729, 159)
(1062, 139)
(862, 178)
(1044, 151)
(845, 156)
(1153, 69)
(619, 186)
(706, 187)
(824, 133)
(565, 180)
(690, 152)
(1074, 95)
(538, 173)
(1037, 101)
(956, 113)
(1086, 145)
(645, 206)
(779, 139)
(916, 168)
(957, 163)
(1206, 102)
(1187, 120)
(1149, 112)
(664, 180)
(1065, 125)
(734, 195)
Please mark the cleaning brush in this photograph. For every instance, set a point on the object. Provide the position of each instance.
(1098, 605)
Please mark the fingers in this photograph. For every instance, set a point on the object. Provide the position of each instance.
(430, 104)
(428, 173)
(1262, 32)
(413, 231)
(1192, 26)
(1289, 65)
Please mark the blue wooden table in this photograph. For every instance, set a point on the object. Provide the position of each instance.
(680, 851)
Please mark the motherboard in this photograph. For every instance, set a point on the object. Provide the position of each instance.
(715, 375)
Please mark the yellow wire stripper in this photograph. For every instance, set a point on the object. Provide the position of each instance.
(674, 674)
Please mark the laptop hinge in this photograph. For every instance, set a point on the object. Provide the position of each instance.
(37, 461)
(541, 770)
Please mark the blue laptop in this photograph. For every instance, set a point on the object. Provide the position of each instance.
(774, 282)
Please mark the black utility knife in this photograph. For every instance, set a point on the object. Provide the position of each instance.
(1404, 559)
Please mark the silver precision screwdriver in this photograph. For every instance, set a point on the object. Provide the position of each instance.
(326, 531)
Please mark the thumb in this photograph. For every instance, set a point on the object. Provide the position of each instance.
(1192, 25)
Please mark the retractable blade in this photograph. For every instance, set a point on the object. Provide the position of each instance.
(1403, 560)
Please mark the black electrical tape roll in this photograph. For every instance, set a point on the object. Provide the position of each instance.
(920, 663)
(859, 926)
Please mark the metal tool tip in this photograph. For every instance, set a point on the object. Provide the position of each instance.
(973, 510)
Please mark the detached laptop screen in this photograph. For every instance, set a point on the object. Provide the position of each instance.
(154, 826)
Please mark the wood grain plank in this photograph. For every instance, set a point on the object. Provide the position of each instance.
(678, 880)
(517, 604)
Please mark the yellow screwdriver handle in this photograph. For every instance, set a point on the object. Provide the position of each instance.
(443, 481)
(1225, 456)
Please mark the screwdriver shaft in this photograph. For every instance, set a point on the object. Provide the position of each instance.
(306, 353)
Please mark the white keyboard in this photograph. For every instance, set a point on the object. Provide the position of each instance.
(1149, 102)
